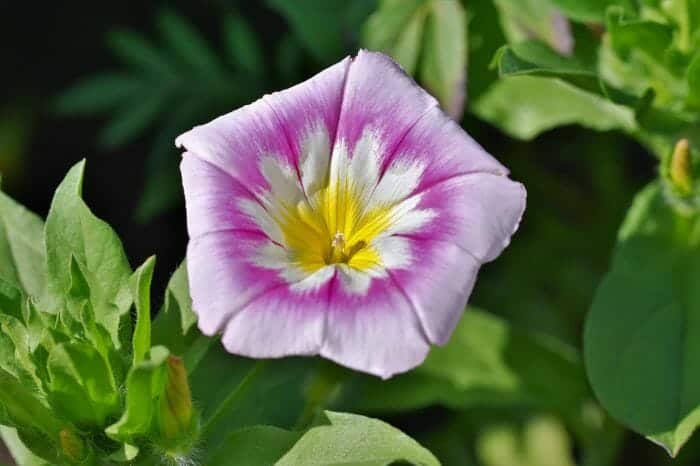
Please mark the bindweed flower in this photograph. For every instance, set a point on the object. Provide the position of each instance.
(347, 216)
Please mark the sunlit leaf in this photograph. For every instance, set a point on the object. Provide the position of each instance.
(22, 260)
(340, 438)
(525, 106)
(141, 292)
(72, 231)
(443, 65)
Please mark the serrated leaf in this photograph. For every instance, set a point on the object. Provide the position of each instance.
(186, 43)
(525, 106)
(243, 46)
(99, 93)
(144, 385)
(22, 260)
(81, 384)
(73, 231)
(443, 65)
(340, 438)
(640, 338)
(141, 292)
(134, 117)
(139, 52)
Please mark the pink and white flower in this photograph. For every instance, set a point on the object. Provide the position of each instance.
(346, 216)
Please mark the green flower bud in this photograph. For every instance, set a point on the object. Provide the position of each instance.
(72, 445)
(176, 403)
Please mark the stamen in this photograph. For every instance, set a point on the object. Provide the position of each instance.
(338, 248)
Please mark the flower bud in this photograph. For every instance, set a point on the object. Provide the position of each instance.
(680, 168)
(176, 402)
(72, 445)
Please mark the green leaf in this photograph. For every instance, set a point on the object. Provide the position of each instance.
(234, 392)
(22, 260)
(99, 93)
(587, 11)
(243, 46)
(174, 325)
(396, 28)
(254, 446)
(288, 58)
(443, 65)
(134, 117)
(537, 59)
(641, 336)
(539, 19)
(351, 439)
(15, 354)
(693, 78)
(543, 441)
(144, 385)
(318, 25)
(73, 231)
(485, 362)
(81, 386)
(185, 42)
(23, 409)
(525, 106)
(141, 292)
(632, 34)
(137, 51)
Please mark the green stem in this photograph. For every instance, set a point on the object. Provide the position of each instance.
(322, 389)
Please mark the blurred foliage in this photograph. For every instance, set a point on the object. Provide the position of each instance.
(169, 86)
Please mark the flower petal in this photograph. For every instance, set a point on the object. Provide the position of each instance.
(478, 212)
(377, 332)
(223, 275)
(382, 99)
(439, 286)
(444, 149)
(282, 322)
(215, 201)
(272, 127)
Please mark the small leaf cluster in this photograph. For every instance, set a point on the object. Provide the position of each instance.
(79, 381)
(641, 77)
